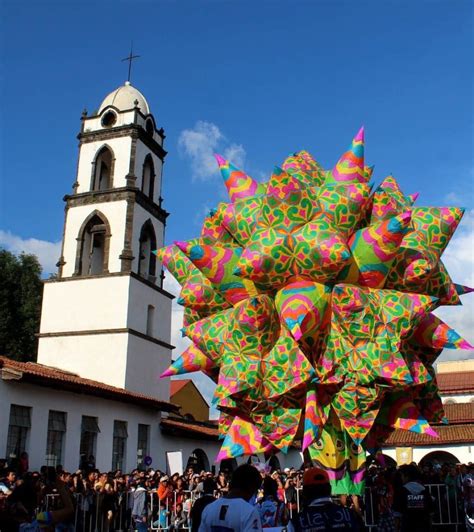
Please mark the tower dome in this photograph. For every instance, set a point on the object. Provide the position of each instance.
(124, 98)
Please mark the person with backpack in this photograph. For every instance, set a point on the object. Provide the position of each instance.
(412, 504)
(319, 513)
(272, 511)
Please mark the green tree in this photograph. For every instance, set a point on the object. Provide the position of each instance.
(21, 292)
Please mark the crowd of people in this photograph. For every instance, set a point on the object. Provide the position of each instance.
(92, 501)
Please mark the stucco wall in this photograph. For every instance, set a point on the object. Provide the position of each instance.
(458, 398)
(140, 297)
(83, 304)
(42, 399)
(191, 402)
(146, 361)
(101, 357)
(94, 123)
(464, 453)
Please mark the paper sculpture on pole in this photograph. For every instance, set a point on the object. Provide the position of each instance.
(309, 299)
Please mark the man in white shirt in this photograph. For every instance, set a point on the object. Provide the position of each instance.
(233, 513)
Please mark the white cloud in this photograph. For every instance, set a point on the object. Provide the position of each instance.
(459, 261)
(48, 253)
(235, 153)
(453, 198)
(199, 145)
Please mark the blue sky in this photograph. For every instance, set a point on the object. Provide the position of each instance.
(252, 79)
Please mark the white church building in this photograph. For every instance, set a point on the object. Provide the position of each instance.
(105, 327)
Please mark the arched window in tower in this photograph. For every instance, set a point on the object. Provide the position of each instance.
(102, 172)
(93, 246)
(148, 177)
(147, 260)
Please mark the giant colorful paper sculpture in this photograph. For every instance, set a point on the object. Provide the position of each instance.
(309, 300)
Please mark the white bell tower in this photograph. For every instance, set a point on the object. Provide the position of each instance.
(106, 317)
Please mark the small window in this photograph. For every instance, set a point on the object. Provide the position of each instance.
(18, 430)
(143, 444)
(102, 170)
(109, 119)
(147, 260)
(150, 317)
(149, 127)
(148, 177)
(93, 257)
(89, 431)
(55, 439)
(119, 445)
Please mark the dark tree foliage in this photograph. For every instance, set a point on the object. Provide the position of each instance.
(21, 292)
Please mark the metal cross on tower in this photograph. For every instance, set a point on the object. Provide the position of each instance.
(130, 58)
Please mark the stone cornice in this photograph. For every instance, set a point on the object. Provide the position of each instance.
(114, 274)
(123, 330)
(117, 194)
(128, 130)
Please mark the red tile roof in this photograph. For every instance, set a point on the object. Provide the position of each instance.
(64, 380)
(459, 413)
(456, 382)
(189, 428)
(459, 430)
(448, 434)
(177, 385)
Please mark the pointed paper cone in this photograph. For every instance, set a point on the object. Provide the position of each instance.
(239, 184)
(374, 249)
(208, 333)
(441, 286)
(433, 229)
(193, 359)
(401, 413)
(201, 296)
(368, 171)
(350, 167)
(303, 167)
(413, 197)
(316, 414)
(302, 306)
(389, 200)
(433, 332)
(461, 289)
(282, 185)
(218, 264)
(243, 438)
(214, 227)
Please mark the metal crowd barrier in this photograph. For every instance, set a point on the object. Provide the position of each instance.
(447, 511)
(163, 516)
(90, 517)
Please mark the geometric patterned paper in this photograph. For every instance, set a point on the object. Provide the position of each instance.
(312, 300)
